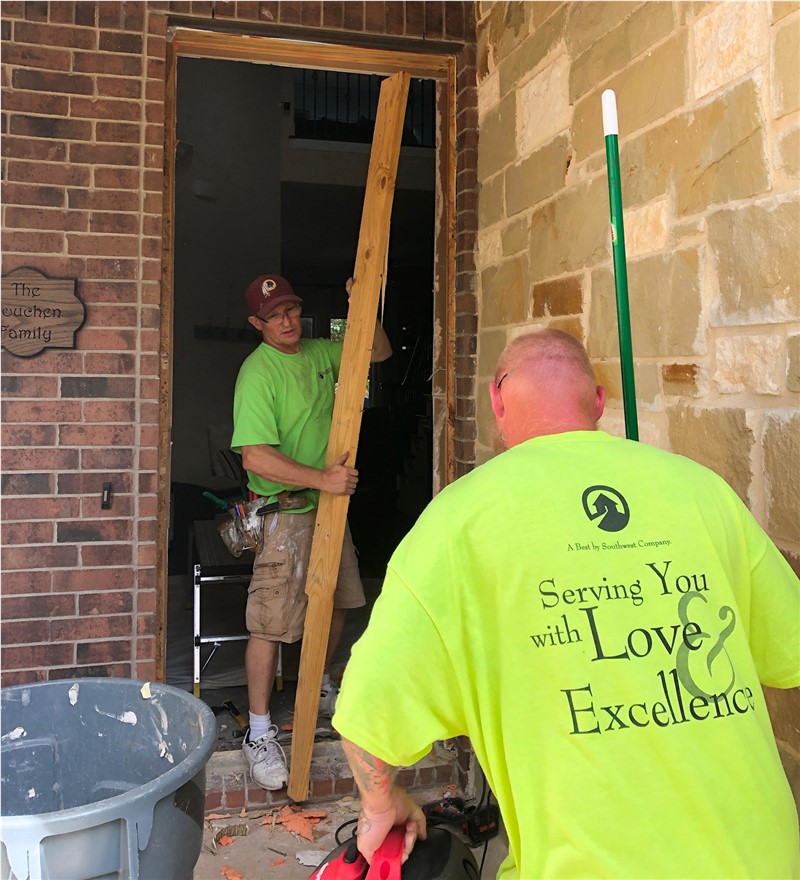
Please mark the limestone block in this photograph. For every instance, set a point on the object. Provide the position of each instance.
(488, 94)
(645, 377)
(490, 346)
(647, 90)
(755, 251)
(752, 363)
(721, 154)
(485, 416)
(646, 229)
(602, 340)
(588, 22)
(504, 293)
(665, 303)
(682, 380)
(538, 177)
(690, 232)
(665, 307)
(485, 60)
(508, 26)
(490, 248)
(615, 50)
(515, 236)
(543, 106)
(720, 439)
(786, 68)
(793, 365)
(782, 8)
(540, 11)
(787, 152)
(730, 40)
(608, 374)
(781, 454)
(563, 296)
(491, 201)
(690, 9)
(539, 45)
(571, 231)
(713, 154)
(496, 139)
(571, 325)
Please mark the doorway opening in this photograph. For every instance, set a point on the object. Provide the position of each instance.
(269, 174)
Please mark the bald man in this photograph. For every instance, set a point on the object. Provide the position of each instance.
(598, 616)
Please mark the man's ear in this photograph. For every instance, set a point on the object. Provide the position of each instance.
(498, 407)
(253, 320)
(599, 402)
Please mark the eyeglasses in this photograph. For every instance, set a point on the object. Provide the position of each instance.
(502, 379)
(277, 318)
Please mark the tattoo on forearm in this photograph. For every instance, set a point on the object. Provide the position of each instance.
(372, 775)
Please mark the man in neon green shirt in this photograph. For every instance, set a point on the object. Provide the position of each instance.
(283, 404)
(598, 616)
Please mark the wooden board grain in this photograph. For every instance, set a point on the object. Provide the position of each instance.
(326, 547)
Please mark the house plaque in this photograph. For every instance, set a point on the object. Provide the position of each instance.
(39, 312)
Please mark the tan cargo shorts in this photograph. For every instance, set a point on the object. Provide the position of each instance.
(276, 600)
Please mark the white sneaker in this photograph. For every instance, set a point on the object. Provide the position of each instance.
(327, 700)
(266, 759)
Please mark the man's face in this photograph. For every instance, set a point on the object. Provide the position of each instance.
(281, 328)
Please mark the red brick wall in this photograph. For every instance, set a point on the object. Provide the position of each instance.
(82, 156)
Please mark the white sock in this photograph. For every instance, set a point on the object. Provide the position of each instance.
(259, 725)
(326, 679)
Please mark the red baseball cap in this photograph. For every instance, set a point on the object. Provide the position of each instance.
(266, 292)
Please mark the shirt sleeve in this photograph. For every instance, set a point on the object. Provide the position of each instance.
(399, 694)
(774, 613)
(254, 420)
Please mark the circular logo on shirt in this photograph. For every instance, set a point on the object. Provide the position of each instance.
(606, 507)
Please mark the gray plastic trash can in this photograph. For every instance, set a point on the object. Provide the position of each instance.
(100, 780)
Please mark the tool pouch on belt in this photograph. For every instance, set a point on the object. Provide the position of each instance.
(245, 532)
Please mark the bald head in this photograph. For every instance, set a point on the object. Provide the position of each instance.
(546, 386)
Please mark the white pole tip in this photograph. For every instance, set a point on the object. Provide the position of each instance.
(610, 124)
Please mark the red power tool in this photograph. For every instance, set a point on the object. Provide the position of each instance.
(347, 863)
(441, 857)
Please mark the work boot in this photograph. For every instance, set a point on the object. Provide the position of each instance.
(327, 700)
(266, 760)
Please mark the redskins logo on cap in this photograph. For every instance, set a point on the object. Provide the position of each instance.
(268, 286)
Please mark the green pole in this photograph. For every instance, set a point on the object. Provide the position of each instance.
(611, 132)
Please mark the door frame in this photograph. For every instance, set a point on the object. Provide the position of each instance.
(185, 41)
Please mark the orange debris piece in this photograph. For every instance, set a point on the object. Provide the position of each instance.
(300, 822)
(275, 862)
(211, 816)
(225, 840)
(231, 873)
(289, 726)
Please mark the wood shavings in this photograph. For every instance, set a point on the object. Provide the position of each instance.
(299, 822)
(211, 816)
(231, 873)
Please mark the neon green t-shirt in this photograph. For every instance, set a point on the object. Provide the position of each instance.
(286, 401)
(597, 616)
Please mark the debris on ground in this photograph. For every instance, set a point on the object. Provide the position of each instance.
(300, 822)
(224, 840)
(231, 873)
(275, 862)
(311, 858)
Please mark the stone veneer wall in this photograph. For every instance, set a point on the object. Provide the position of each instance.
(708, 97)
(82, 160)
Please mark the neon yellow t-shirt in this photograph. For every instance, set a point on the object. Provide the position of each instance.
(597, 616)
(286, 401)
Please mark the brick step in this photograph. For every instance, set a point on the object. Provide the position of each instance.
(228, 783)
